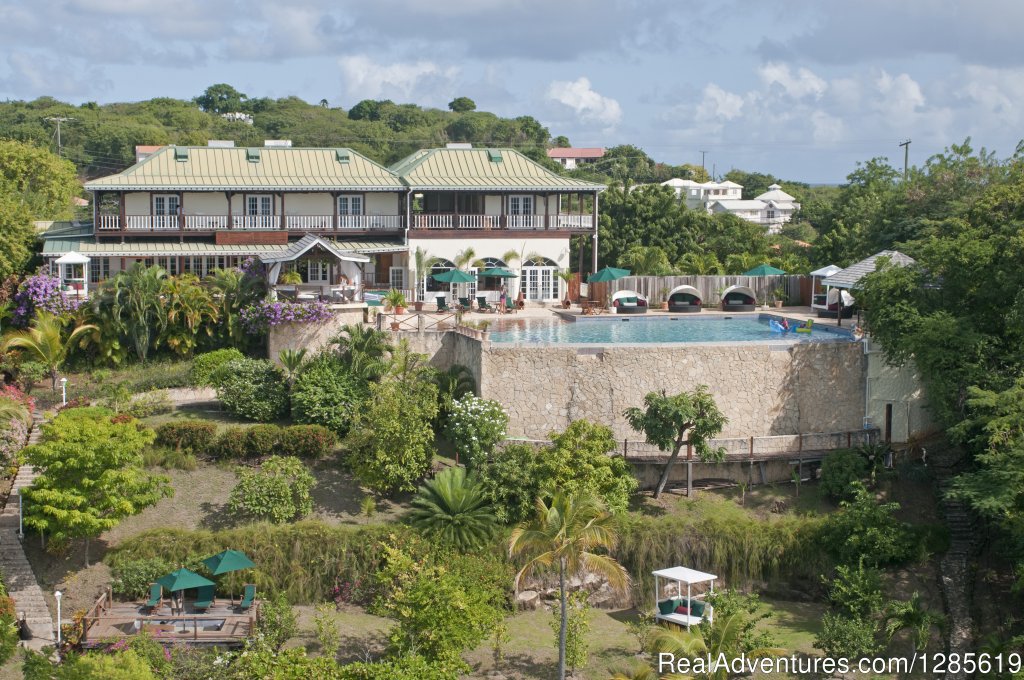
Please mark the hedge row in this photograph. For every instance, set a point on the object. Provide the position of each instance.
(258, 441)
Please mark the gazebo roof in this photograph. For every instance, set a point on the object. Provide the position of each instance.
(851, 276)
(684, 575)
(307, 242)
(827, 270)
(73, 258)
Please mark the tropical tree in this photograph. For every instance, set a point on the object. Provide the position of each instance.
(12, 409)
(44, 340)
(914, 616)
(454, 509)
(725, 639)
(133, 301)
(191, 314)
(688, 418)
(701, 264)
(365, 349)
(566, 534)
(646, 261)
(737, 263)
(452, 384)
(423, 261)
(292, 361)
(233, 291)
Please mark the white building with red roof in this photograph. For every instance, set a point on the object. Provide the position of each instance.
(571, 158)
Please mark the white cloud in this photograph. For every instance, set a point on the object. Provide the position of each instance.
(803, 83)
(719, 104)
(590, 106)
(827, 129)
(405, 81)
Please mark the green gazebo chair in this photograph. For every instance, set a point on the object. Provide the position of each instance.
(204, 597)
(249, 594)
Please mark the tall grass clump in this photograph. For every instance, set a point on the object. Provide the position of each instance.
(720, 538)
(303, 561)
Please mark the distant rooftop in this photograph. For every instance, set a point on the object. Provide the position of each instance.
(576, 152)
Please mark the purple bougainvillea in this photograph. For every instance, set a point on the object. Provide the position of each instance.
(261, 316)
(41, 291)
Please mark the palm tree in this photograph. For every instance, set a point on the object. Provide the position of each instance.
(737, 263)
(190, 312)
(365, 349)
(464, 259)
(646, 261)
(453, 508)
(134, 304)
(564, 535)
(914, 616)
(235, 291)
(723, 638)
(45, 340)
(701, 264)
(291, 361)
(638, 670)
(423, 261)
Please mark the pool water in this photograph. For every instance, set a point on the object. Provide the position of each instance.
(652, 329)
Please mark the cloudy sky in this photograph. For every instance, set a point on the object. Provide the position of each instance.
(800, 88)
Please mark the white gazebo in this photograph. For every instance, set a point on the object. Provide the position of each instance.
(690, 577)
(72, 273)
(819, 291)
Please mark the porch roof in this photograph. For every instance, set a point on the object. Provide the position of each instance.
(481, 170)
(58, 247)
(299, 248)
(202, 168)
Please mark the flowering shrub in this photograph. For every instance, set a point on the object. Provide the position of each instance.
(474, 427)
(259, 317)
(14, 394)
(12, 438)
(41, 291)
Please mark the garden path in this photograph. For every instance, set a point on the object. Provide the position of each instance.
(22, 585)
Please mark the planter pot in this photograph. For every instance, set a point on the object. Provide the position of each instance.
(399, 310)
(664, 306)
(566, 303)
(778, 304)
(395, 325)
(418, 306)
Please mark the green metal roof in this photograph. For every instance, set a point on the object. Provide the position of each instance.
(57, 247)
(240, 168)
(482, 169)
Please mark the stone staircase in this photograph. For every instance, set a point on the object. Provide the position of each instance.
(21, 581)
(946, 461)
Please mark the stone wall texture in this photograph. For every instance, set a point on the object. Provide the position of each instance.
(763, 390)
(312, 336)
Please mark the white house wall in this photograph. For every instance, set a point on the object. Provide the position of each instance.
(309, 203)
(382, 203)
(555, 249)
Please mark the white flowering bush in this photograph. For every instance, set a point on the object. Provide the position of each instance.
(474, 427)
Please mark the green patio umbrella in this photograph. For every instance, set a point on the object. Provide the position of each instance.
(498, 272)
(764, 270)
(454, 276)
(607, 274)
(183, 579)
(228, 560)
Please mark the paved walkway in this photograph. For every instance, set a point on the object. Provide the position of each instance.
(17, 572)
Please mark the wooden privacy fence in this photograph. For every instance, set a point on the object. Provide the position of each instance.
(711, 287)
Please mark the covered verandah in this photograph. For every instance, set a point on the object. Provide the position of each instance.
(313, 268)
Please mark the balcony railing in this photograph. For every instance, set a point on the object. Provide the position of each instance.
(328, 223)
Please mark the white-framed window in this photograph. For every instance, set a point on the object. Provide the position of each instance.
(99, 269)
(520, 205)
(427, 282)
(350, 204)
(259, 204)
(166, 204)
(770, 214)
(396, 277)
(538, 279)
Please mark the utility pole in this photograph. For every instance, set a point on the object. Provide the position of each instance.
(702, 160)
(906, 157)
(59, 120)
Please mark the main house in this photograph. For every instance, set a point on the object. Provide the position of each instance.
(342, 221)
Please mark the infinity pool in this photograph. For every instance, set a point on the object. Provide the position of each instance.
(614, 329)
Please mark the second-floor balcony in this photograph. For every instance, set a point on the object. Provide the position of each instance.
(213, 223)
(339, 223)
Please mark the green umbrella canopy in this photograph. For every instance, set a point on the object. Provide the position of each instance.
(454, 276)
(183, 579)
(229, 560)
(498, 272)
(607, 274)
(763, 270)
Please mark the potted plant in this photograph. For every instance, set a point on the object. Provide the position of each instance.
(780, 296)
(395, 299)
(566, 276)
(664, 298)
(291, 278)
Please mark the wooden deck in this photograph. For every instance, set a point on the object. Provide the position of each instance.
(223, 624)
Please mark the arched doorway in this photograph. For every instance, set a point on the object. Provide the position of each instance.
(431, 287)
(538, 279)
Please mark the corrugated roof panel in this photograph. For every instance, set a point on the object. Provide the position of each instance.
(470, 169)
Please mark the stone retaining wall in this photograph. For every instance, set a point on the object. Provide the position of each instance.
(312, 336)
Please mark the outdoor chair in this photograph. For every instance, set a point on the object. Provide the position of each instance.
(248, 596)
(156, 596)
(204, 597)
(465, 304)
(442, 304)
(481, 304)
(510, 305)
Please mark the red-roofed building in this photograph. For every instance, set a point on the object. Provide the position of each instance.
(571, 157)
(143, 152)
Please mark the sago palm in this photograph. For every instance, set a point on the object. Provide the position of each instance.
(453, 508)
(914, 616)
(566, 535)
(723, 638)
(45, 341)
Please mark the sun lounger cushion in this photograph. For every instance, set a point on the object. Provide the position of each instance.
(696, 608)
(667, 606)
(629, 300)
(682, 610)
